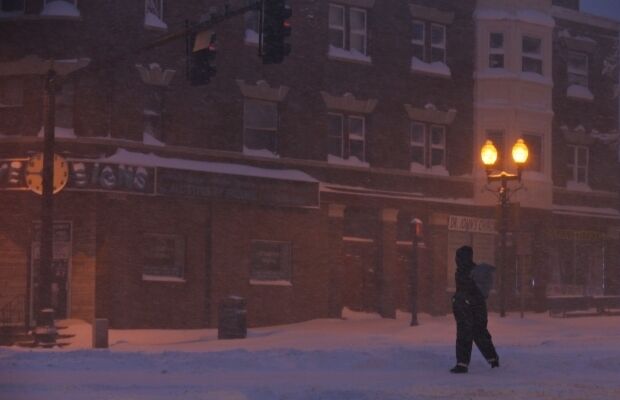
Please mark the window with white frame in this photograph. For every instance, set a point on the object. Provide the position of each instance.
(438, 43)
(433, 50)
(355, 38)
(346, 136)
(496, 50)
(11, 7)
(577, 65)
(260, 125)
(11, 92)
(163, 256)
(577, 166)
(418, 40)
(534, 145)
(531, 55)
(427, 144)
(497, 137)
(155, 7)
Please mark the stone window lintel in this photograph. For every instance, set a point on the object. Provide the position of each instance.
(262, 91)
(430, 115)
(348, 103)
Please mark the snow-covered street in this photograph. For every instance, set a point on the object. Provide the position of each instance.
(361, 357)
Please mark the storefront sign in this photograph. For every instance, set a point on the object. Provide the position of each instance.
(471, 224)
(237, 188)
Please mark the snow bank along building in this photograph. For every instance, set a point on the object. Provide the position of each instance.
(294, 185)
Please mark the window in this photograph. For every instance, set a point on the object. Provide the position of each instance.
(428, 144)
(429, 51)
(497, 137)
(12, 6)
(64, 104)
(347, 136)
(535, 147)
(11, 92)
(356, 32)
(438, 43)
(531, 55)
(577, 69)
(577, 166)
(164, 256)
(418, 39)
(496, 50)
(260, 125)
(153, 110)
(271, 260)
(154, 14)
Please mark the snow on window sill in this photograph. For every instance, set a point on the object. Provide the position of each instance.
(578, 186)
(438, 170)
(336, 53)
(259, 153)
(436, 68)
(60, 8)
(267, 282)
(152, 21)
(503, 73)
(579, 92)
(151, 140)
(59, 132)
(251, 37)
(351, 161)
(159, 278)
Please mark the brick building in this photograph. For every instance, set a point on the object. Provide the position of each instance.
(294, 185)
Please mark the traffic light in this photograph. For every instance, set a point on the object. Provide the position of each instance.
(202, 58)
(276, 28)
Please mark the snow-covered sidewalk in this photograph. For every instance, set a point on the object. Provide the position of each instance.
(359, 358)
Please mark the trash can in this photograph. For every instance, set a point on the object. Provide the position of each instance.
(232, 318)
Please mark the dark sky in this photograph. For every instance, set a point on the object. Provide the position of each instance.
(606, 8)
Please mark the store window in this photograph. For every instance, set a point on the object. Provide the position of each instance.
(532, 59)
(271, 260)
(496, 50)
(427, 144)
(260, 126)
(163, 256)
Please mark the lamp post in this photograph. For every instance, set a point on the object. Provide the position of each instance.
(416, 235)
(488, 154)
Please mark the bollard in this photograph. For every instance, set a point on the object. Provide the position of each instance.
(100, 333)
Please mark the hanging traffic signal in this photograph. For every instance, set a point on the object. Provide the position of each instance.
(276, 28)
(202, 58)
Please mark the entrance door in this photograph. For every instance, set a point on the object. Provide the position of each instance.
(60, 270)
(360, 278)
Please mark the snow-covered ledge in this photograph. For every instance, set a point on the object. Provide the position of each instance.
(579, 92)
(152, 21)
(259, 153)
(348, 103)
(578, 186)
(251, 36)
(436, 68)
(352, 161)
(60, 8)
(430, 114)
(336, 53)
(262, 91)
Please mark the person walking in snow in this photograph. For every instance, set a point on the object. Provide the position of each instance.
(470, 311)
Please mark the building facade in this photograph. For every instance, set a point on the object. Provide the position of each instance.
(294, 185)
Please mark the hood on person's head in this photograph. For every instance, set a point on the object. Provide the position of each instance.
(464, 256)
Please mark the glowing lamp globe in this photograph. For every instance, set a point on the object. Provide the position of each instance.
(488, 153)
(520, 152)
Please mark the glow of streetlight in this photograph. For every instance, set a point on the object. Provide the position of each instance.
(520, 152)
(488, 153)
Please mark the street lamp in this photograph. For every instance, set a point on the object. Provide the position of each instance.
(416, 238)
(488, 154)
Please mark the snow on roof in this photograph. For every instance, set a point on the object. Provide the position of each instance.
(60, 8)
(528, 16)
(123, 156)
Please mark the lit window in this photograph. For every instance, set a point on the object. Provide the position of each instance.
(260, 125)
(577, 166)
(531, 55)
(577, 69)
(496, 50)
(535, 149)
(11, 92)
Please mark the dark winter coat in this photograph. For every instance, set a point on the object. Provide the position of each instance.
(466, 289)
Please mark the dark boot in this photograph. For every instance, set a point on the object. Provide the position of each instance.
(494, 363)
(459, 369)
